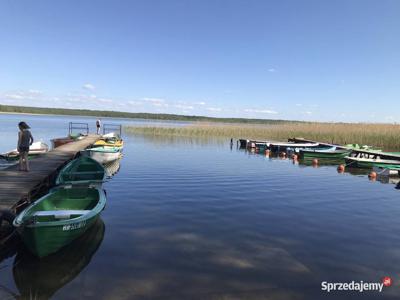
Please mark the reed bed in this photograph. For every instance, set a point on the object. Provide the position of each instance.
(385, 136)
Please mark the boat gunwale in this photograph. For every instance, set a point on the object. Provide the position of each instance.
(96, 210)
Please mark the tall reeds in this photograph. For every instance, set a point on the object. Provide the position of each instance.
(385, 136)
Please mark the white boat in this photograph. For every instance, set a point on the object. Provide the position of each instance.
(35, 149)
(103, 154)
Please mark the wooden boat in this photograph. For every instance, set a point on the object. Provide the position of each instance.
(36, 148)
(82, 170)
(42, 278)
(103, 154)
(329, 153)
(58, 218)
(111, 140)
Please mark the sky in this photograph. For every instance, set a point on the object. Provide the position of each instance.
(335, 60)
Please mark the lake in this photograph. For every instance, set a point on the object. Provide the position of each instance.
(196, 219)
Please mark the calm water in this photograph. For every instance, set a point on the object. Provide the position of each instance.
(187, 219)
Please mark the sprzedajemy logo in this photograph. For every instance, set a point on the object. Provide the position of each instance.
(359, 286)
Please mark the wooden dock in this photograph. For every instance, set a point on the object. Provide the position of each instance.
(18, 187)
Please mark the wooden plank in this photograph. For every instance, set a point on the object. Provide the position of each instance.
(16, 185)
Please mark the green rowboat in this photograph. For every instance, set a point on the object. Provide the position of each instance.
(363, 162)
(58, 218)
(330, 153)
(82, 170)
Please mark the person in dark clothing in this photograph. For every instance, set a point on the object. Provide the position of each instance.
(25, 139)
(98, 125)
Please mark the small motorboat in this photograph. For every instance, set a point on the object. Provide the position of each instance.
(82, 170)
(58, 218)
(36, 148)
(104, 154)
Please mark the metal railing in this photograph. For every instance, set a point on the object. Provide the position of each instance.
(117, 128)
(78, 126)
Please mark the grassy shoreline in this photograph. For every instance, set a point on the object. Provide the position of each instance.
(384, 136)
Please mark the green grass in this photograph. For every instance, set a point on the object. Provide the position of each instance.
(385, 136)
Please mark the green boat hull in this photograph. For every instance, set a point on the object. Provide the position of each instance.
(58, 218)
(370, 164)
(43, 241)
(323, 155)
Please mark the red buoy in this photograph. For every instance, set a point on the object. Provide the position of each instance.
(372, 175)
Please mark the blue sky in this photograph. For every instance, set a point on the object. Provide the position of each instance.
(306, 60)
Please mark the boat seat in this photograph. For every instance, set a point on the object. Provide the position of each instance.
(60, 214)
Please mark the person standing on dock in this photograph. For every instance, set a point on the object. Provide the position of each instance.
(25, 139)
(98, 125)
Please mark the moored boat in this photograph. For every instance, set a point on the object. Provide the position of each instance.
(328, 153)
(103, 154)
(82, 170)
(291, 145)
(365, 162)
(36, 148)
(58, 218)
(110, 140)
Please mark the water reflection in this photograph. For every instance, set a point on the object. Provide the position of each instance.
(112, 168)
(40, 278)
(304, 163)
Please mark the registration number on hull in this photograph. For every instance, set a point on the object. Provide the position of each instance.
(74, 226)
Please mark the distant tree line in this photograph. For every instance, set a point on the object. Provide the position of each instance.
(119, 114)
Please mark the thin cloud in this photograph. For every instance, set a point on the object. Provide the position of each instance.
(261, 111)
(153, 100)
(214, 109)
(184, 107)
(271, 70)
(89, 87)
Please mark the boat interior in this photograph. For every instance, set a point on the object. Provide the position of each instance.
(64, 204)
